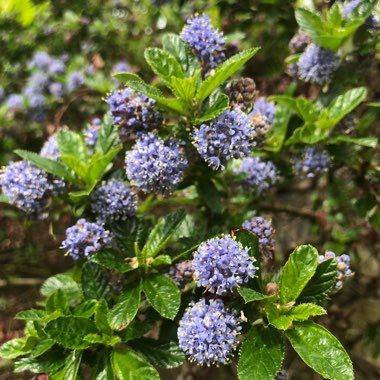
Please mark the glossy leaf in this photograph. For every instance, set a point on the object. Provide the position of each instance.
(223, 72)
(320, 350)
(48, 165)
(65, 282)
(250, 295)
(261, 354)
(162, 232)
(219, 105)
(162, 354)
(173, 44)
(95, 284)
(128, 365)
(321, 283)
(111, 259)
(297, 272)
(163, 294)
(101, 315)
(126, 308)
(72, 363)
(163, 64)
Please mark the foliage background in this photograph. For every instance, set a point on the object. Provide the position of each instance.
(339, 213)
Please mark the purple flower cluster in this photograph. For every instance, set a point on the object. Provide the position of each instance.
(112, 201)
(263, 229)
(230, 135)
(85, 238)
(154, 165)
(29, 188)
(208, 332)
(15, 102)
(40, 60)
(75, 80)
(317, 65)
(181, 273)
(50, 148)
(207, 43)
(260, 175)
(133, 112)
(343, 266)
(313, 163)
(265, 109)
(91, 133)
(221, 264)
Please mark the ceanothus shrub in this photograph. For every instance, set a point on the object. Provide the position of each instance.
(164, 242)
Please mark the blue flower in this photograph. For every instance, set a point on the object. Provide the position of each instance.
(57, 67)
(112, 201)
(313, 163)
(91, 133)
(207, 43)
(57, 89)
(29, 188)
(208, 332)
(230, 135)
(75, 80)
(15, 102)
(85, 238)
(37, 84)
(154, 165)
(40, 60)
(317, 65)
(133, 112)
(263, 229)
(264, 108)
(343, 267)
(50, 148)
(222, 264)
(260, 175)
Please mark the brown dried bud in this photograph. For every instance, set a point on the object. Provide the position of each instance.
(242, 93)
(271, 288)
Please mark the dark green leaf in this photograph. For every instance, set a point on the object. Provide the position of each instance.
(261, 354)
(95, 284)
(161, 260)
(126, 308)
(320, 350)
(223, 72)
(297, 272)
(249, 240)
(321, 283)
(86, 309)
(173, 44)
(50, 363)
(136, 329)
(210, 195)
(107, 138)
(70, 331)
(47, 165)
(370, 142)
(162, 232)
(279, 129)
(250, 295)
(30, 315)
(128, 365)
(103, 369)
(220, 104)
(111, 259)
(57, 301)
(41, 347)
(162, 294)
(162, 354)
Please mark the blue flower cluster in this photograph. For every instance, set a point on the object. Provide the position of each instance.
(207, 43)
(221, 264)
(181, 273)
(264, 108)
(15, 102)
(343, 266)
(260, 175)
(91, 133)
(113, 200)
(50, 148)
(313, 163)
(263, 229)
(75, 80)
(29, 188)
(154, 165)
(133, 112)
(230, 135)
(85, 238)
(317, 65)
(208, 332)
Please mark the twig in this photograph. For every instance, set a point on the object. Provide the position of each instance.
(21, 282)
